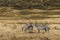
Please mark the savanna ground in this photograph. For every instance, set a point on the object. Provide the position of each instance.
(12, 21)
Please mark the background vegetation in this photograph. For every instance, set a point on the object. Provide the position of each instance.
(42, 4)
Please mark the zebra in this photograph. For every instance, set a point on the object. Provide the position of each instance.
(42, 27)
(30, 26)
(27, 27)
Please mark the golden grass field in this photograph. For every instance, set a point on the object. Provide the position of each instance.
(12, 29)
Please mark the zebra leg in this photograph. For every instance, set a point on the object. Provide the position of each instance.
(25, 30)
(39, 30)
(22, 28)
(32, 28)
(46, 29)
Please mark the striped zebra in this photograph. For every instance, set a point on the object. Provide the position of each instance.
(42, 27)
(27, 27)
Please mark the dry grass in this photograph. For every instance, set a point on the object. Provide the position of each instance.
(13, 31)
